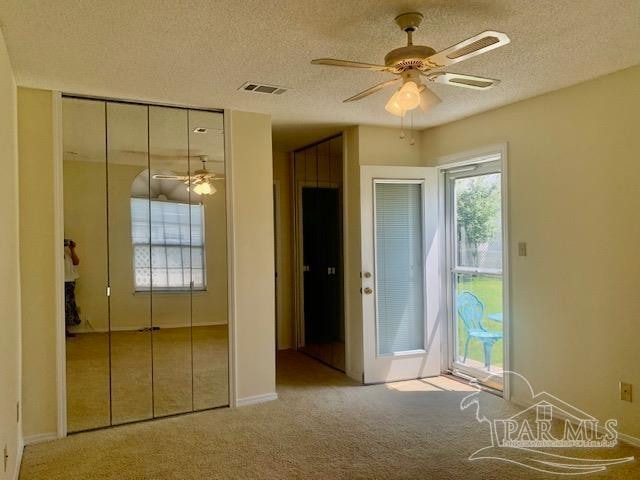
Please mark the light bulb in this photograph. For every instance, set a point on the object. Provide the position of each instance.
(409, 96)
(393, 106)
(203, 189)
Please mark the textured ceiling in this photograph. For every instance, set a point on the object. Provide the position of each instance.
(199, 52)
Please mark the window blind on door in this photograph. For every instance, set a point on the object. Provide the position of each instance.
(399, 267)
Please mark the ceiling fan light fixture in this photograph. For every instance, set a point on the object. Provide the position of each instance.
(393, 106)
(409, 95)
(204, 188)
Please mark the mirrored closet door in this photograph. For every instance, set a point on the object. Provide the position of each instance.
(145, 262)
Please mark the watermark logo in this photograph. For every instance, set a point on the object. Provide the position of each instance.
(536, 437)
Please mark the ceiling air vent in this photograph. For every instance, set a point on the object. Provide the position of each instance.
(262, 88)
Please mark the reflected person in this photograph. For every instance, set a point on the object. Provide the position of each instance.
(71, 261)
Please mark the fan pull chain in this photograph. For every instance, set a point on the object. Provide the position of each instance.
(412, 140)
(401, 128)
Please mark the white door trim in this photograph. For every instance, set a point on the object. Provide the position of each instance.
(231, 257)
(58, 239)
(278, 257)
(448, 162)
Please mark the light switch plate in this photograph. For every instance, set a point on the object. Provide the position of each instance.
(522, 249)
(626, 393)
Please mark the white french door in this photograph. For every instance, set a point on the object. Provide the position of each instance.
(400, 273)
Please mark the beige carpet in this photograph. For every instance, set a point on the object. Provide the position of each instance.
(132, 382)
(323, 426)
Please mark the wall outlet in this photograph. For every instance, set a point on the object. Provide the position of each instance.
(626, 393)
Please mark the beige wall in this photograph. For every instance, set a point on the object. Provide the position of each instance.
(85, 223)
(254, 302)
(253, 281)
(383, 146)
(574, 197)
(352, 257)
(37, 261)
(10, 428)
(282, 177)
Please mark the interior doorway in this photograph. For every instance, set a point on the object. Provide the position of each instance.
(319, 243)
(322, 305)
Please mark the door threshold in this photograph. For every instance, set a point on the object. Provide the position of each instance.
(471, 381)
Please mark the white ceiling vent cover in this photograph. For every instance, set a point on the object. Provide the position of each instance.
(254, 87)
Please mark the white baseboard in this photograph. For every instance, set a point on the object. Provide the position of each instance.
(16, 473)
(265, 397)
(134, 328)
(40, 437)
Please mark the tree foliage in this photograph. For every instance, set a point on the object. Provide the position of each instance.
(477, 207)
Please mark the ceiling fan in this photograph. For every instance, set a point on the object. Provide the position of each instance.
(413, 62)
(201, 180)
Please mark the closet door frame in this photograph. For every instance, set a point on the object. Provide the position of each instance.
(58, 239)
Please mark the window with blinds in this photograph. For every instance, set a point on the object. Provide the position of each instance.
(168, 245)
(399, 267)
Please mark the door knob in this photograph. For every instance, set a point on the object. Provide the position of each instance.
(368, 291)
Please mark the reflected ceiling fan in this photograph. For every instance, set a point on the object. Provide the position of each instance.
(201, 180)
(415, 62)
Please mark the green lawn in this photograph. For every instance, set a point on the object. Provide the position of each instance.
(489, 291)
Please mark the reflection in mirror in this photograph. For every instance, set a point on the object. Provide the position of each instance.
(130, 312)
(209, 272)
(85, 261)
(170, 244)
(318, 177)
(144, 193)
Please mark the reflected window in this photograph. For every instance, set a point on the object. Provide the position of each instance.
(168, 245)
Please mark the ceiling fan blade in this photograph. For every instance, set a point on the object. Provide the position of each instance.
(460, 80)
(159, 176)
(428, 99)
(481, 43)
(348, 63)
(371, 90)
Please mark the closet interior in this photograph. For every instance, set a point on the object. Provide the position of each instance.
(145, 261)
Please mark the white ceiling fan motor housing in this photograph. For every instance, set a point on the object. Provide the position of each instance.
(411, 56)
